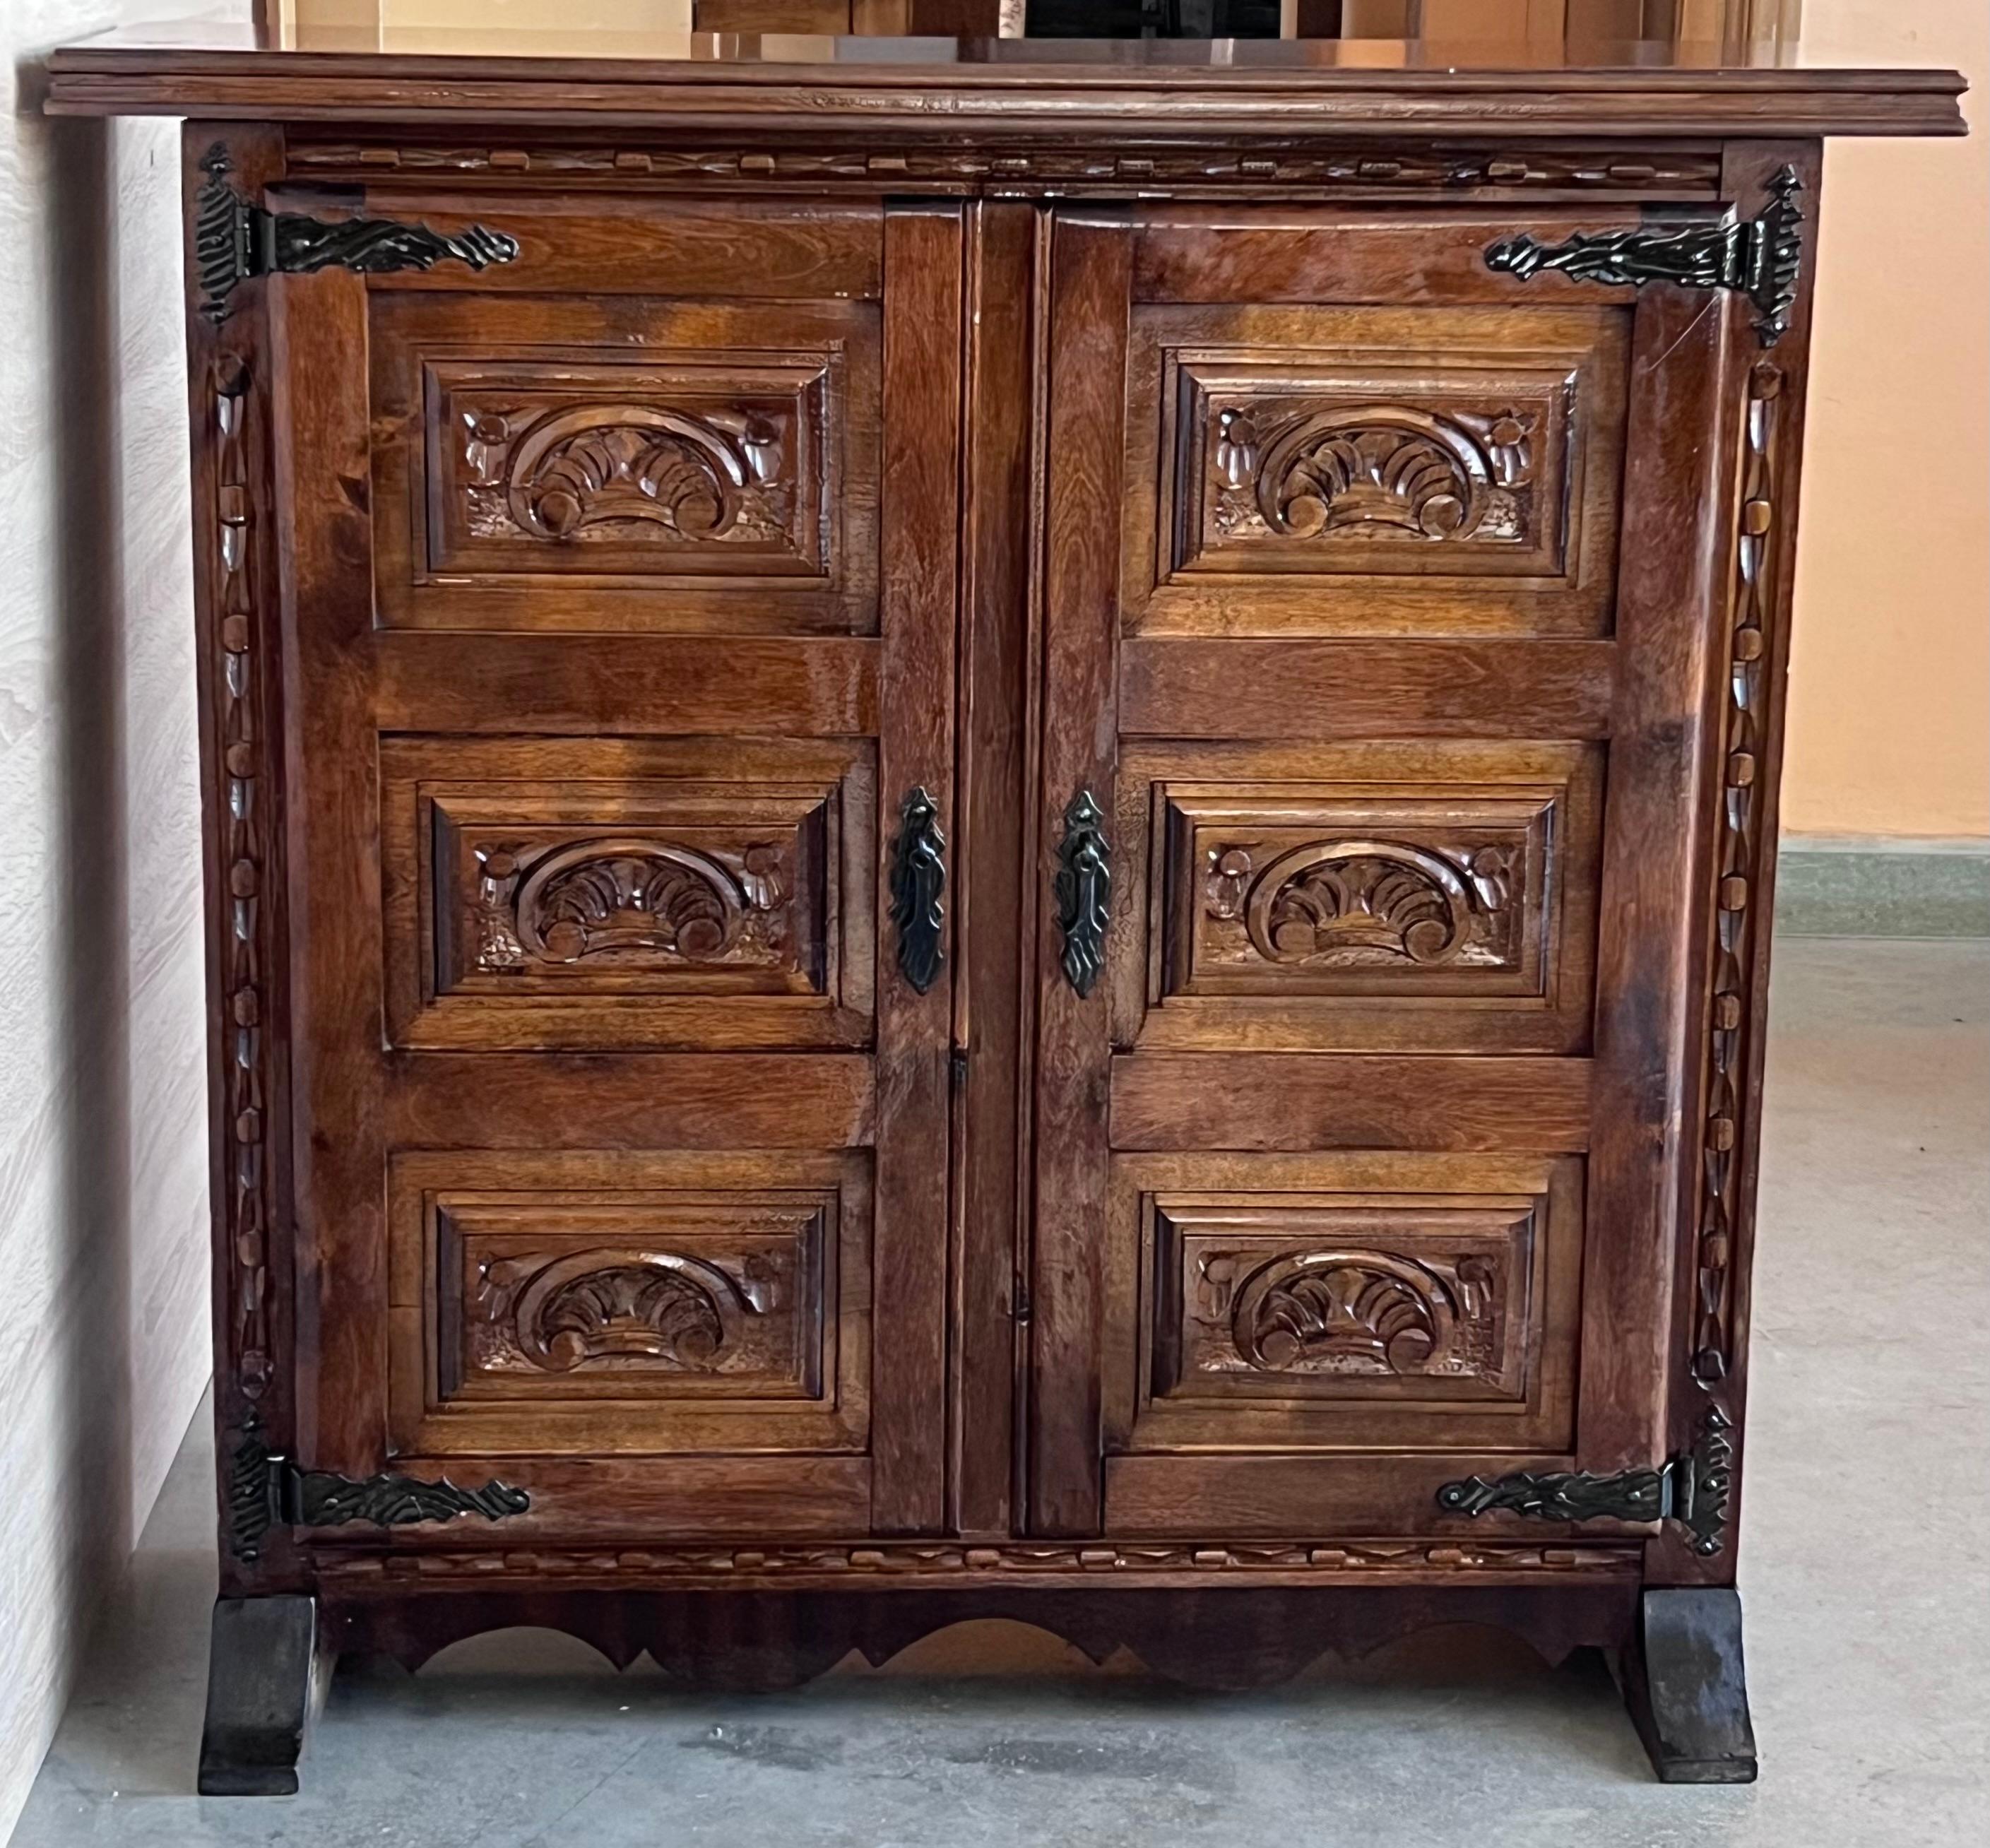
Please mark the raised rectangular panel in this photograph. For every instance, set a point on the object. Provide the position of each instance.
(631, 1302)
(1299, 470)
(625, 463)
(695, 888)
(1340, 1300)
(1376, 466)
(1405, 896)
(671, 1295)
(1327, 891)
(705, 465)
(1350, 1301)
(626, 894)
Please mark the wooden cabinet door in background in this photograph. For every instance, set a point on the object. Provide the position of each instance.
(1376, 774)
(618, 641)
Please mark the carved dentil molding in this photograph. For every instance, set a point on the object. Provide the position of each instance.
(1374, 167)
(874, 1563)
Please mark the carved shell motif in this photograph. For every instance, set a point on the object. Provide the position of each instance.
(602, 897)
(1378, 471)
(589, 471)
(1356, 1312)
(1363, 900)
(616, 1306)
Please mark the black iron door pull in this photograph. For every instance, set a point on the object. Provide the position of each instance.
(1084, 891)
(919, 883)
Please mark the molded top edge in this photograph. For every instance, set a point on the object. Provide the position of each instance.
(1020, 86)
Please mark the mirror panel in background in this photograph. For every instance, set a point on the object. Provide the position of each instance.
(1378, 33)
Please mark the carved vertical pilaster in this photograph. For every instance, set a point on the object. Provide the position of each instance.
(1748, 711)
(1737, 884)
(241, 753)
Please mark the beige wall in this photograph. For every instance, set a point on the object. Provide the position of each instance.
(1889, 694)
(103, 1105)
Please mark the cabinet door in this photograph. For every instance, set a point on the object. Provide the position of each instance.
(618, 648)
(1381, 593)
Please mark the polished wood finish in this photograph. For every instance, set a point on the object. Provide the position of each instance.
(956, 107)
(996, 886)
(656, 907)
(1090, 265)
(1338, 682)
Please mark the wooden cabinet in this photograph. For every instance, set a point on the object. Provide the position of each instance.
(963, 864)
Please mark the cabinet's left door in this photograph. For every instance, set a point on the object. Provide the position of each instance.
(614, 635)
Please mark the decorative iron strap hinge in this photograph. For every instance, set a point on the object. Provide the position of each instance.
(1083, 889)
(918, 881)
(235, 240)
(266, 1490)
(1762, 256)
(1690, 1488)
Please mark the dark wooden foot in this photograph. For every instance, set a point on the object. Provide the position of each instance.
(265, 1676)
(1684, 1683)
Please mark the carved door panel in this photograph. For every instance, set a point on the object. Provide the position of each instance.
(620, 642)
(1381, 599)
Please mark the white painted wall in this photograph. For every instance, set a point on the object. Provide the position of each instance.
(103, 1105)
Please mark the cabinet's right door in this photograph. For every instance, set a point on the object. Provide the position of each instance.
(1381, 594)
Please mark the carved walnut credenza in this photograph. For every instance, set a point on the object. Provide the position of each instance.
(987, 836)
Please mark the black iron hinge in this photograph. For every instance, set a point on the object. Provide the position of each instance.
(1690, 1488)
(235, 240)
(267, 1490)
(1762, 256)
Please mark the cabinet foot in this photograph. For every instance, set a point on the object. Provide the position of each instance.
(266, 1673)
(1684, 1683)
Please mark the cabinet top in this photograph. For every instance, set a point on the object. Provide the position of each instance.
(959, 89)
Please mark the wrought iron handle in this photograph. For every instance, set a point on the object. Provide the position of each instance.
(918, 883)
(1084, 891)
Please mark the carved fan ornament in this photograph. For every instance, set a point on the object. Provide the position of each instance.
(1376, 471)
(1351, 1311)
(605, 1307)
(1363, 901)
(591, 472)
(592, 897)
